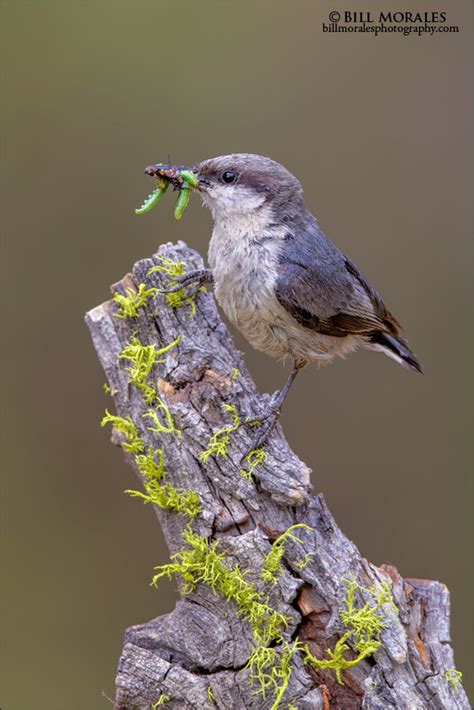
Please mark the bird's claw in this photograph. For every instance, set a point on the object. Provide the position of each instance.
(268, 422)
(274, 398)
(198, 278)
(174, 289)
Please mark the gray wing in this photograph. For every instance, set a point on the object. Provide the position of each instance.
(323, 290)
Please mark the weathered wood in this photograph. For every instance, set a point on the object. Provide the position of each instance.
(203, 643)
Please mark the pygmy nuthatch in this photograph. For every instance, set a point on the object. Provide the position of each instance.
(279, 279)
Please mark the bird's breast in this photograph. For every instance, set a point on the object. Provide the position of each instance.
(245, 269)
(245, 274)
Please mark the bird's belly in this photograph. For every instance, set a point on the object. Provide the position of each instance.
(245, 280)
(245, 293)
(254, 309)
(260, 324)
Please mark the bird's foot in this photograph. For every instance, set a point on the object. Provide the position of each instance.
(273, 406)
(269, 420)
(275, 399)
(266, 422)
(199, 277)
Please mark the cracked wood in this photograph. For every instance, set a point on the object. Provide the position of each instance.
(203, 643)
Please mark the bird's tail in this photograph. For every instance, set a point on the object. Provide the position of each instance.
(395, 347)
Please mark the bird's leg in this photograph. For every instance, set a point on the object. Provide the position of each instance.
(271, 417)
(197, 276)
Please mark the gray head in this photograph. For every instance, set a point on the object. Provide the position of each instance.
(244, 182)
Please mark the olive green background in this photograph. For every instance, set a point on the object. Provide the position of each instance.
(379, 130)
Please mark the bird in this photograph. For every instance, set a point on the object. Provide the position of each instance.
(279, 279)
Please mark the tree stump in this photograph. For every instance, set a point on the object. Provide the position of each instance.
(313, 585)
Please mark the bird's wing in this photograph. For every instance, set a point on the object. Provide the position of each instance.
(323, 290)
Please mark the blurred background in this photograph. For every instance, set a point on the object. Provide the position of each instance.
(379, 130)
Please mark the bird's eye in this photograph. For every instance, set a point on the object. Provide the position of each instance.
(228, 176)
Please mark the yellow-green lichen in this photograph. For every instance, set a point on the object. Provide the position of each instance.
(254, 458)
(128, 305)
(164, 495)
(236, 374)
(165, 425)
(454, 677)
(301, 564)
(210, 695)
(270, 664)
(272, 565)
(174, 269)
(124, 425)
(149, 467)
(364, 626)
(201, 563)
(162, 700)
(143, 358)
(219, 442)
(271, 669)
(168, 497)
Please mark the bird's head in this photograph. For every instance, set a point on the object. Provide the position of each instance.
(242, 182)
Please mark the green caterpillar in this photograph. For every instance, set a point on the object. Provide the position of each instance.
(153, 198)
(182, 179)
(182, 203)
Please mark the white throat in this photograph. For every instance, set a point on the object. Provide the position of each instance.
(237, 204)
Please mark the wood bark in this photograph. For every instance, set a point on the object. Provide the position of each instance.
(204, 643)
